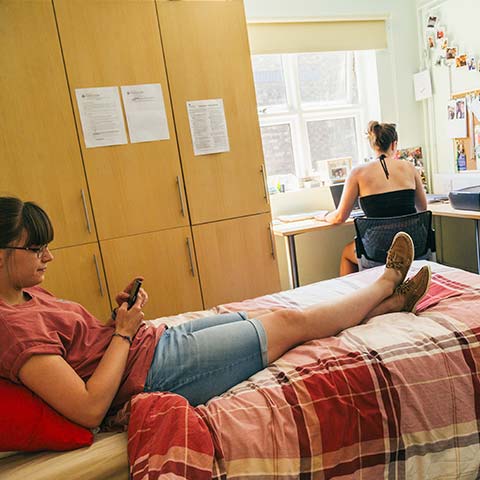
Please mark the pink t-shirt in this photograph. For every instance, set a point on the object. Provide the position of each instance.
(48, 325)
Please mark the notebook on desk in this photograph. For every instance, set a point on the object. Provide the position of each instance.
(336, 190)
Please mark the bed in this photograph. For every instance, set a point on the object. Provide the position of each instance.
(397, 397)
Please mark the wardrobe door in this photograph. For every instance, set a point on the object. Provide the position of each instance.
(236, 259)
(39, 152)
(135, 187)
(76, 274)
(207, 57)
(167, 261)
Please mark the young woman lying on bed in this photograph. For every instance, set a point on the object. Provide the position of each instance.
(82, 367)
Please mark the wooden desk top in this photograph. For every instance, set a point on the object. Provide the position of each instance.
(287, 229)
(446, 210)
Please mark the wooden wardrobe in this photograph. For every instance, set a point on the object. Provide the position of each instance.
(196, 227)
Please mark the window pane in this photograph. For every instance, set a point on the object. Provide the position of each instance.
(269, 80)
(322, 77)
(334, 138)
(277, 149)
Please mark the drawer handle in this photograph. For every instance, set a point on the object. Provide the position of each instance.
(97, 268)
(179, 188)
(265, 189)
(190, 257)
(85, 209)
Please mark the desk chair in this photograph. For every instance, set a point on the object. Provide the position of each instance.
(374, 236)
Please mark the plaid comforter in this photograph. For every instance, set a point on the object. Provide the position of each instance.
(395, 398)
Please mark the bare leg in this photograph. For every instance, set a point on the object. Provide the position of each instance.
(348, 262)
(407, 297)
(394, 303)
(287, 328)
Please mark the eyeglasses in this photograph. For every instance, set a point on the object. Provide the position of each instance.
(38, 251)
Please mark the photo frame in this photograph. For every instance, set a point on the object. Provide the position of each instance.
(338, 169)
(414, 155)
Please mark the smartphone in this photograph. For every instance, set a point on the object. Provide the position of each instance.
(134, 293)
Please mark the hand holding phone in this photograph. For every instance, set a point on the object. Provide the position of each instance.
(134, 293)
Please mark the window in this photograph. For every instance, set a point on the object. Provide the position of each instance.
(313, 107)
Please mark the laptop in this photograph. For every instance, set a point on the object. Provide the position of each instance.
(336, 190)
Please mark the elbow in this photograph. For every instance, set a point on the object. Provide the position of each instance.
(92, 423)
(91, 418)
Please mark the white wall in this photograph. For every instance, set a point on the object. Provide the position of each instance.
(319, 253)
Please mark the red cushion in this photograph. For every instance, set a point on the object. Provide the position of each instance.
(27, 423)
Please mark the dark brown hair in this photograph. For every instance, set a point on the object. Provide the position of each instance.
(382, 135)
(16, 216)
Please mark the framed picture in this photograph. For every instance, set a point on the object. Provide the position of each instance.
(414, 155)
(338, 169)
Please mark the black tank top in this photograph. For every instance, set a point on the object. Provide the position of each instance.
(389, 204)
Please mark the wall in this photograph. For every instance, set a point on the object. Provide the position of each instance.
(460, 18)
(319, 253)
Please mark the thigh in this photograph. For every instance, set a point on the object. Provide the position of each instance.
(213, 320)
(204, 363)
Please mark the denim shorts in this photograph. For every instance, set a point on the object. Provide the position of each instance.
(205, 357)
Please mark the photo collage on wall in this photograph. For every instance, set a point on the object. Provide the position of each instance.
(444, 51)
(462, 113)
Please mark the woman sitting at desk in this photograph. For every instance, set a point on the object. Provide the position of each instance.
(386, 187)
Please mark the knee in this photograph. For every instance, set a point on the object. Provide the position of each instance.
(291, 317)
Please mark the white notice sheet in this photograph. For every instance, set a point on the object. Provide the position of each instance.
(145, 110)
(101, 116)
(208, 126)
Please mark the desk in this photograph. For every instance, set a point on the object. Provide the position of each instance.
(288, 232)
(446, 210)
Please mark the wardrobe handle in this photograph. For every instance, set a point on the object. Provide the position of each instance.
(265, 189)
(85, 209)
(190, 258)
(98, 274)
(272, 241)
(179, 188)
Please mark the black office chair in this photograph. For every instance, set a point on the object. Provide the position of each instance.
(374, 236)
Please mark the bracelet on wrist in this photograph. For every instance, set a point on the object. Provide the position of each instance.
(125, 337)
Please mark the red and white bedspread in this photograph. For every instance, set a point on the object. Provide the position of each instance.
(395, 398)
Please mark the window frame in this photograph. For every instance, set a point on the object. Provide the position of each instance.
(297, 114)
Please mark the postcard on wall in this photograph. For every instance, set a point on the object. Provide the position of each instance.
(457, 118)
(450, 53)
(477, 142)
(461, 60)
(145, 111)
(208, 126)
(475, 106)
(422, 85)
(440, 33)
(461, 158)
(101, 116)
(472, 63)
(432, 21)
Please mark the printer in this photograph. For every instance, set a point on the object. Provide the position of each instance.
(465, 198)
